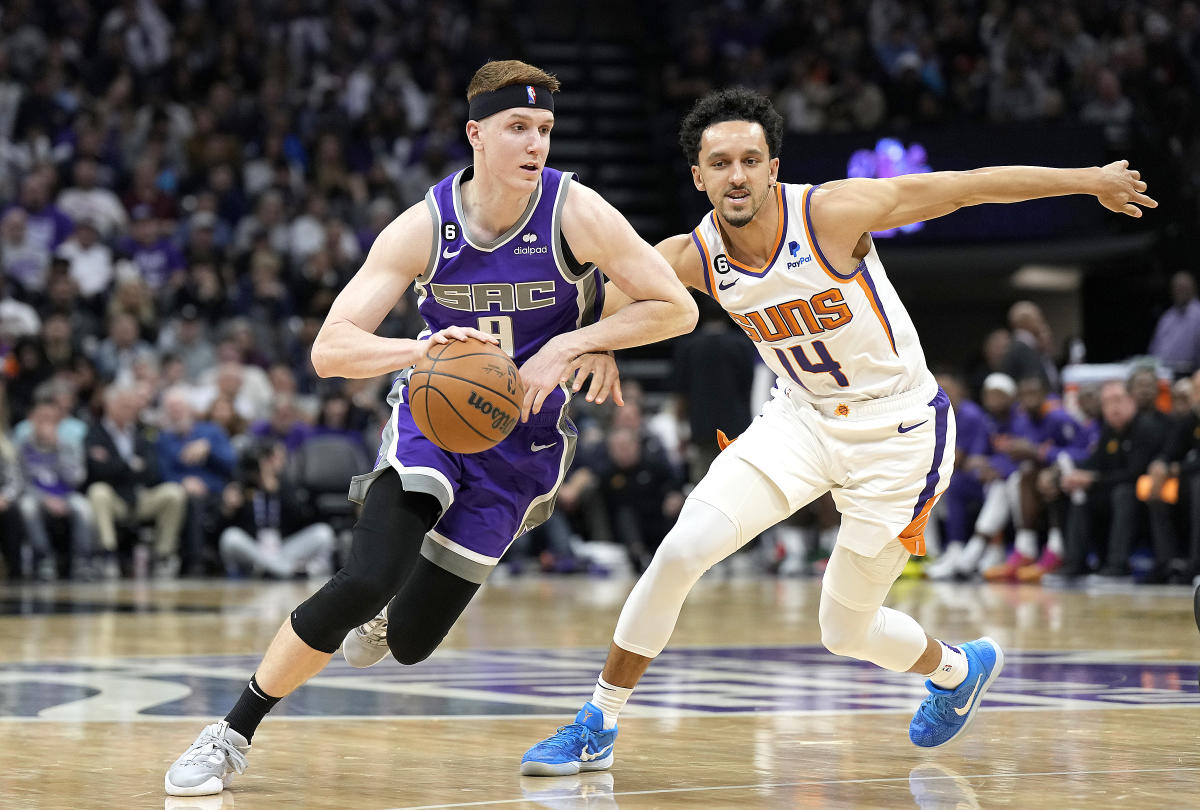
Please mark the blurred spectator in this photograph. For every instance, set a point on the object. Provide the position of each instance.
(993, 357)
(1052, 434)
(1176, 341)
(45, 224)
(54, 470)
(339, 416)
(157, 261)
(17, 319)
(125, 484)
(116, 354)
(716, 357)
(71, 429)
(185, 338)
(1031, 350)
(285, 425)
(87, 201)
(640, 492)
(266, 527)
(26, 260)
(986, 461)
(197, 455)
(91, 260)
(12, 530)
(1128, 442)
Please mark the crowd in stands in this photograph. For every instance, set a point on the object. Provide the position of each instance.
(185, 186)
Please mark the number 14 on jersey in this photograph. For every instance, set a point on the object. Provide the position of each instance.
(827, 364)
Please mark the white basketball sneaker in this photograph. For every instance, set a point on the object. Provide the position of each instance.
(209, 765)
(366, 645)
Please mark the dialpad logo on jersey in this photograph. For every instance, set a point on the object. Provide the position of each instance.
(693, 681)
(529, 239)
(502, 420)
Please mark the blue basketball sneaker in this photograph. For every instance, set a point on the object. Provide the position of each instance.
(946, 713)
(582, 746)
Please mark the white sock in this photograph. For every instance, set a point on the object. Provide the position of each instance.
(611, 699)
(953, 669)
(1054, 541)
(1026, 543)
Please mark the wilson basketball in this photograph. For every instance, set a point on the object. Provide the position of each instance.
(465, 396)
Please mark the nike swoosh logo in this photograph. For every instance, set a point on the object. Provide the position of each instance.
(538, 447)
(586, 757)
(902, 429)
(446, 254)
(723, 286)
(971, 700)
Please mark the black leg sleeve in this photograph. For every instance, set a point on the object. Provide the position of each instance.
(425, 609)
(387, 541)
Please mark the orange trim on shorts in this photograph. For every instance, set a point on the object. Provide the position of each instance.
(913, 536)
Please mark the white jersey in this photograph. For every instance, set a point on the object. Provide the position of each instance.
(837, 337)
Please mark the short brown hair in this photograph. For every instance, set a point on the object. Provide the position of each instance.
(494, 75)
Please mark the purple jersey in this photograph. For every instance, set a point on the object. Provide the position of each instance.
(524, 287)
(1056, 432)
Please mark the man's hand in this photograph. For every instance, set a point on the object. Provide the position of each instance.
(55, 505)
(194, 486)
(1121, 187)
(1077, 480)
(194, 452)
(606, 379)
(542, 373)
(463, 333)
(233, 497)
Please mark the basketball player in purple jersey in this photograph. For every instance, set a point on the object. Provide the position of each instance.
(506, 251)
(855, 412)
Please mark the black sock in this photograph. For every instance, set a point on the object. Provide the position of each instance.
(250, 709)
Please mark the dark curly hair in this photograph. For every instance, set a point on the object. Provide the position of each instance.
(730, 104)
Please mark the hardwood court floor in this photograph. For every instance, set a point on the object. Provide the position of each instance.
(102, 686)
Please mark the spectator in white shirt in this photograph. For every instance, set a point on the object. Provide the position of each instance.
(88, 200)
(91, 260)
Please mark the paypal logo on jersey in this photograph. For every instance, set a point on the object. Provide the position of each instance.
(794, 248)
(529, 239)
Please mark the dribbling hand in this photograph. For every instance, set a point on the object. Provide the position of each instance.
(1122, 187)
(463, 333)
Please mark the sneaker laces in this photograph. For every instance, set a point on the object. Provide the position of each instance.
(937, 706)
(568, 739)
(374, 632)
(213, 740)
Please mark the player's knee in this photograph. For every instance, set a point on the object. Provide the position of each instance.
(843, 631)
(702, 537)
(347, 600)
(410, 645)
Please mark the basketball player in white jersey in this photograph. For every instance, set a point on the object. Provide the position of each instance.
(855, 409)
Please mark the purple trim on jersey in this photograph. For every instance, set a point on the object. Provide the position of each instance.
(862, 267)
(817, 246)
(941, 408)
(704, 272)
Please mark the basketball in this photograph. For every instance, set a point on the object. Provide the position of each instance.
(465, 396)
